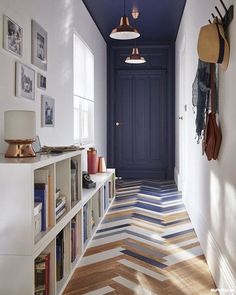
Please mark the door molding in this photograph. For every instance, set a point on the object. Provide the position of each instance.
(158, 57)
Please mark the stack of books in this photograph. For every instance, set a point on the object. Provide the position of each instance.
(60, 205)
(60, 255)
(42, 274)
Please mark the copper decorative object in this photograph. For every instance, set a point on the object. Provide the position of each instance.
(101, 165)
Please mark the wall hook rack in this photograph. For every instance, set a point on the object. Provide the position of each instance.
(227, 18)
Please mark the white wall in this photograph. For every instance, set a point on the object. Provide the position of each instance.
(59, 18)
(209, 188)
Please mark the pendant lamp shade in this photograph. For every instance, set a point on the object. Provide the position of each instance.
(124, 31)
(135, 57)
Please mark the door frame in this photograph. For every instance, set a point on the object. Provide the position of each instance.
(180, 172)
(116, 52)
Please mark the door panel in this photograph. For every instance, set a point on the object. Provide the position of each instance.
(141, 110)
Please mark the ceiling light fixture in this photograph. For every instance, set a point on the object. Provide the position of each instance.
(135, 57)
(124, 31)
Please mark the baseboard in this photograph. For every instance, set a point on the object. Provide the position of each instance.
(219, 266)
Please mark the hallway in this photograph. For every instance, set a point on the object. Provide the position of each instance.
(145, 245)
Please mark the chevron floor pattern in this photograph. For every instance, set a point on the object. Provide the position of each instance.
(145, 245)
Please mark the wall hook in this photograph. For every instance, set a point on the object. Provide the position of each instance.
(228, 17)
(220, 15)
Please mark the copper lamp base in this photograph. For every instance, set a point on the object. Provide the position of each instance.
(20, 149)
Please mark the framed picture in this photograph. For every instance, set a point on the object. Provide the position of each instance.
(25, 81)
(47, 111)
(13, 36)
(39, 46)
(36, 145)
(41, 81)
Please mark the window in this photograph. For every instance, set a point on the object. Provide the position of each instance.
(83, 93)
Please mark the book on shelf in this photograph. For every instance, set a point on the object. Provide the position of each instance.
(41, 196)
(42, 176)
(60, 256)
(106, 197)
(74, 180)
(37, 217)
(73, 239)
(85, 221)
(99, 206)
(42, 274)
(92, 219)
(110, 190)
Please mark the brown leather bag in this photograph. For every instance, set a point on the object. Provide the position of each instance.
(212, 137)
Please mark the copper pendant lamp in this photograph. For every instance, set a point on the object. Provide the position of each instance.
(124, 31)
(135, 57)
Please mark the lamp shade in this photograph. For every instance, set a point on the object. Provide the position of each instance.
(124, 31)
(135, 57)
(19, 125)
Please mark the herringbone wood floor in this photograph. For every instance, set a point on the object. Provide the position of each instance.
(145, 245)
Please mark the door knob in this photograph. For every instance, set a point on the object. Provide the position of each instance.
(117, 124)
(181, 118)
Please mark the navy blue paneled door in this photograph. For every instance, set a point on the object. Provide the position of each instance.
(140, 119)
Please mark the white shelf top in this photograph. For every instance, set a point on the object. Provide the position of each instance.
(100, 179)
(40, 160)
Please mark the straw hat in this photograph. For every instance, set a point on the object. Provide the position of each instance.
(213, 46)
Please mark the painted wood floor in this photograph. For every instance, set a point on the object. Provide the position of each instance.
(145, 245)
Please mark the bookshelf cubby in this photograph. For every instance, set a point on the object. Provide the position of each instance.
(51, 176)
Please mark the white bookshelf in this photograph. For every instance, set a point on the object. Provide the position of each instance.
(18, 245)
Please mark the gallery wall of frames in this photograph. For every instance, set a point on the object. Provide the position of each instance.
(36, 67)
(26, 78)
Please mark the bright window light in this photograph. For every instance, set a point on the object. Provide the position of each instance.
(83, 93)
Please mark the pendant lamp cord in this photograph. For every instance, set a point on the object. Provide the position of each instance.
(124, 8)
(135, 26)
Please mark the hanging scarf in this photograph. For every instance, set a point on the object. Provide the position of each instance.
(201, 93)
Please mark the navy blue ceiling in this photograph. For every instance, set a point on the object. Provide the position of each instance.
(158, 21)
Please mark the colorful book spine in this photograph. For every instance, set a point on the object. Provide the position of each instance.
(42, 274)
(60, 255)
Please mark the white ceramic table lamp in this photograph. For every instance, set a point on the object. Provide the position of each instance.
(20, 132)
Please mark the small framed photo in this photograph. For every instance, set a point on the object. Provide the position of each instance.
(41, 81)
(37, 145)
(25, 81)
(13, 36)
(47, 111)
(39, 46)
